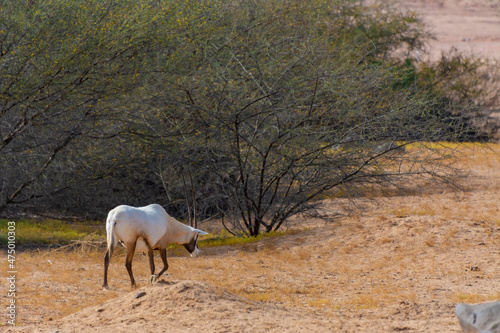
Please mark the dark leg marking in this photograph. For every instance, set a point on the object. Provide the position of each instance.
(153, 277)
(128, 262)
(107, 259)
(151, 261)
(163, 255)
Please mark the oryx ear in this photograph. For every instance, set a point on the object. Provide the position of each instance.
(200, 232)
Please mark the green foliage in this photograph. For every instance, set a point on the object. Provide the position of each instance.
(457, 76)
(408, 75)
(225, 239)
(31, 232)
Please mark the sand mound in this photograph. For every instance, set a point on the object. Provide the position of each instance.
(185, 306)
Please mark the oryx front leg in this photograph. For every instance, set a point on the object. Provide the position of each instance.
(128, 262)
(153, 277)
(163, 255)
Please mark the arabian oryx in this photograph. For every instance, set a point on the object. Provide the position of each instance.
(144, 229)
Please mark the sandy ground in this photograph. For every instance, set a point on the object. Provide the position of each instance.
(472, 26)
(395, 264)
(390, 264)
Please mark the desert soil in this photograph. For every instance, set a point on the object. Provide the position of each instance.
(388, 264)
(471, 26)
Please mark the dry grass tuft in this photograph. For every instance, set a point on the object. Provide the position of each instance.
(464, 297)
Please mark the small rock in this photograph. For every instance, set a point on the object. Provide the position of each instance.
(140, 294)
(80, 269)
(259, 262)
(475, 269)
(481, 243)
(100, 310)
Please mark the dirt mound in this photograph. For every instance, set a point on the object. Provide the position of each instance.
(184, 306)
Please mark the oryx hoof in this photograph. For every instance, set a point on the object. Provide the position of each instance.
(153, 278)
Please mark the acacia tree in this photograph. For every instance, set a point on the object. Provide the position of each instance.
(262, 106)
(67, 67)
(297, 100)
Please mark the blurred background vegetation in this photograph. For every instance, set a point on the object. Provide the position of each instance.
(251, 109)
